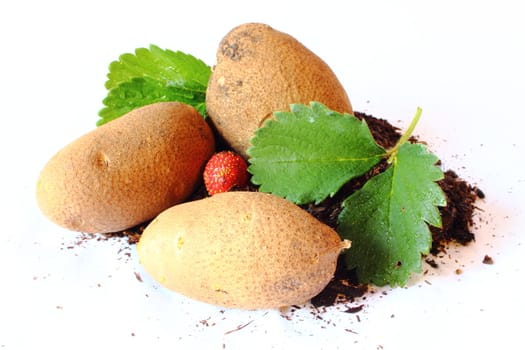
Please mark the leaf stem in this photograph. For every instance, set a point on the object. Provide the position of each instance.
(391, 153)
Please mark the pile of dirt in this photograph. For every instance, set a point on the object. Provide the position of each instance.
(457, 216)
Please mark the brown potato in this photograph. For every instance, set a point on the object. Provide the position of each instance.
(127, 171)
(260, 70)
(246, 250)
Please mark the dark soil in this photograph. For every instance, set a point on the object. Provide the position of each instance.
(457, 216)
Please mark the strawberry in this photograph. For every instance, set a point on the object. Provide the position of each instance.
(224, 171)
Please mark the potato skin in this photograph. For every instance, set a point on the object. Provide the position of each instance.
(247, 250)
(127, 171)
(260, 70)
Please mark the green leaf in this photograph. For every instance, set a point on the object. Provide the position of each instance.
(387, 219)
(307, 154)
(174, 68)
(142, 91)
(154, 75)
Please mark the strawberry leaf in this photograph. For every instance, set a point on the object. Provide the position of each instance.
(154, 75)
(307, 154)
(142, 91)
(386, 219)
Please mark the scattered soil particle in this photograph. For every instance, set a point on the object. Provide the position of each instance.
(138, 276)
(488, 260)
(239, 327)
(432, 262)
(353, 310)
(350, 331)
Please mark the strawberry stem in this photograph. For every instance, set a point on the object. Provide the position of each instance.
(391, 153)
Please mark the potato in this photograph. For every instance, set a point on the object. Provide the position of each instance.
(260, 70)
(245, 250)
(127, 171)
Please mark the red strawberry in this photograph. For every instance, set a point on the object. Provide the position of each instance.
(224, 171)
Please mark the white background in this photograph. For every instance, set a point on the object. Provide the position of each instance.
(461, 61)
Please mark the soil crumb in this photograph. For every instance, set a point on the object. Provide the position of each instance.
(488, 260)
